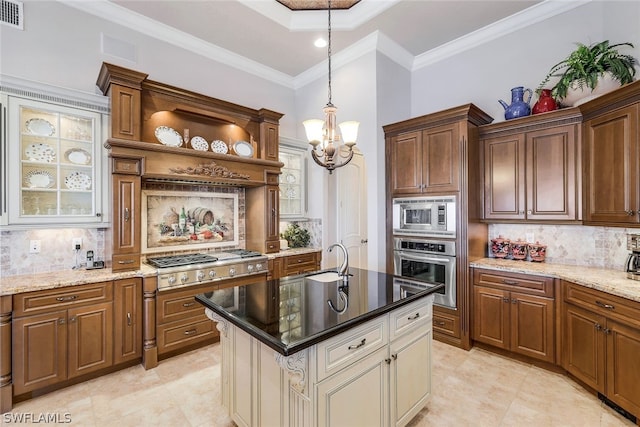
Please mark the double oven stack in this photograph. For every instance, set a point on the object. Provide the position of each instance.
(424, 247)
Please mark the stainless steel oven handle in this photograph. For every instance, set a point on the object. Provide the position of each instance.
(413, 257)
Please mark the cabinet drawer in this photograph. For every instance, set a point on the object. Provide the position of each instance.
(349, 347)
(300, 263)
(125, 262)
(448, 325)
(534, 285)
(405, 319)
(178, 307)
(625, 310)
(174, 336)
(54, 299)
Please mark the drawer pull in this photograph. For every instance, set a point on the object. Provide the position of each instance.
(128, 261)
(357, 346)
(603, 305)
(189, 304)
(69, 298)
(394, 356)
(439, 323)
(190, 332)
(509, 282)
(414, 317)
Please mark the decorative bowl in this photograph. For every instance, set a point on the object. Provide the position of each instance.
(500, 247)
(537, 251)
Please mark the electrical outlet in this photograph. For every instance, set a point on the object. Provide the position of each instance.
(34, 246)
(77, 243)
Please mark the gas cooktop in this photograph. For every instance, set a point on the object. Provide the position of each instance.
(179, 260)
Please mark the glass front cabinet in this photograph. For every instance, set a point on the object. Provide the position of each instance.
(293, 191)
(55, 164)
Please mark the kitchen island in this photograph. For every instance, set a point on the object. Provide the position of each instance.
(312, 350)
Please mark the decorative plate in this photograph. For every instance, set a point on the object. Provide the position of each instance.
(243, 149)
(199, 143)
(290, 178)
(40, 153)
(219, 147)
(38, 179)
(40, 127)
(77, 156)
(78, 181)
(168, 136)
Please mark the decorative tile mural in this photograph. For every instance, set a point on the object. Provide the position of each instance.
(180, 221)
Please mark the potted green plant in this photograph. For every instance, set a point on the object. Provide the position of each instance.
(590, 71)
(296, 236)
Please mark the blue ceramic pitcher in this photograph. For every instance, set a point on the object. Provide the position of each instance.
(519, 107)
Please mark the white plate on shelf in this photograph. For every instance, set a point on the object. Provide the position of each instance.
(243, 149)
(219, 147)
(199, 143)
(78, 181)
(38, 179)
(40, 127)
(77, 156)
(168, 136)
(40, 153)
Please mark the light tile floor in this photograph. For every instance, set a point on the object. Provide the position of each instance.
(475, 388)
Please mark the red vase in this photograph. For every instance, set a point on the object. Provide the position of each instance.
(545, 102)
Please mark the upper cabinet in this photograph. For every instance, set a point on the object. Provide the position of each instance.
(53, 161)
(611, 164)
(532, 168)
(293, 180)
(429, 158)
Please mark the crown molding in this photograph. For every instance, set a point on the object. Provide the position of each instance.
(531, 15)
(355, 16)
(149, 27)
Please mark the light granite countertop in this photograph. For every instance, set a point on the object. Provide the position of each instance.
(610, 281)
(10, 285)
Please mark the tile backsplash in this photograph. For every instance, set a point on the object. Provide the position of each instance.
(604, 247)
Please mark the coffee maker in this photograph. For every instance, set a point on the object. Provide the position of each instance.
(633, 260)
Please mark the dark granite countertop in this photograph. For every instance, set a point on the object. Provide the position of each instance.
(292, 313)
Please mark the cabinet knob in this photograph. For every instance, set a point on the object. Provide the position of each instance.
(529, 212)
(505, 299)
(61, 321)
(73, 319)
(514, 301)
(597, 326)
(606, 331)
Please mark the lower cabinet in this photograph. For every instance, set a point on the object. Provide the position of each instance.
(376, 374)
(602, 344)
(291, 265)
(515, 312)
(61, 334)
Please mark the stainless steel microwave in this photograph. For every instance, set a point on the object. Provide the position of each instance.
(429, 216)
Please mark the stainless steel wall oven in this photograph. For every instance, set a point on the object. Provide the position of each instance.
(432, 261)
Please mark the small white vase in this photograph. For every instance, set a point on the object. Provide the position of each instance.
(577, 95)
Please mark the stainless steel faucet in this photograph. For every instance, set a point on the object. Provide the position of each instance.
(343, 271)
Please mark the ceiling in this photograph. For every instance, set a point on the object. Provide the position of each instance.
(276, 41)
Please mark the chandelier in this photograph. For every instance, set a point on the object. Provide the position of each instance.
(327, 150)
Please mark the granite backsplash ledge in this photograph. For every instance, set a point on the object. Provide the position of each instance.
(600, 247)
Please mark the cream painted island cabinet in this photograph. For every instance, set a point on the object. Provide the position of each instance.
(335, 353)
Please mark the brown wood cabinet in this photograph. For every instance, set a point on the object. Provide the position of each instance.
(290, 265)
(430, 160)
(263, 213)
(601, 343)
(127, 304)
(127, 213)
(61, 334)
(532, 168)
(612, 147)
(515, 312)
(438, 154)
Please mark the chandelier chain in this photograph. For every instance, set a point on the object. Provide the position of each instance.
(329, 52)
